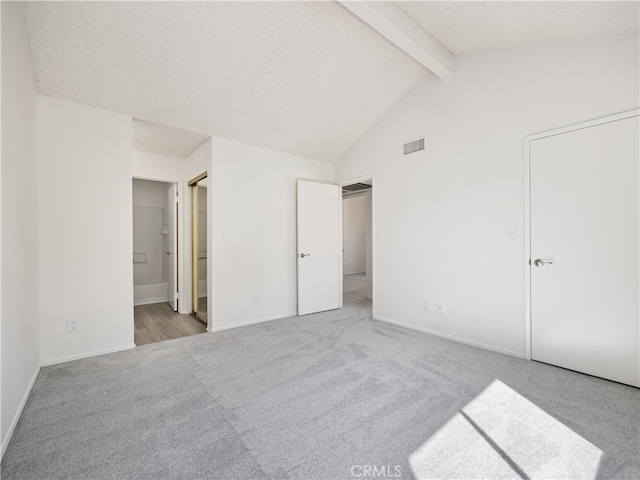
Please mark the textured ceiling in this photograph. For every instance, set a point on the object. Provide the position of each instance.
(304, 78)
(156, 138)
(465, 27)
(307, 78)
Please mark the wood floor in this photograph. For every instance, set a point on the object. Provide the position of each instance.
(157, 323)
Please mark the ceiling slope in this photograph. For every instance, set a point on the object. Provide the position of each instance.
(155, 138)
(307, 78)
(466, 27)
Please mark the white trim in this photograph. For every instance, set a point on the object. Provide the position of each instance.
(526, 233)
(155, 179)
(253, 322)
(341, 250)
(80, 356)
(390, 21)
(527, 206)
(452, 337)
(361, 179)
(16, 417)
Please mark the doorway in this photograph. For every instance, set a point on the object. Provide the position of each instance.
(583, 227)
(156, 265)
(357, 245)
(200, 304)
(322, 284)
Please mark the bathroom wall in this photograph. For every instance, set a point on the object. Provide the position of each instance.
(149, 218)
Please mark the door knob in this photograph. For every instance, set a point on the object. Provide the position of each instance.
(168, 253)
(302, 255)
(540, 262)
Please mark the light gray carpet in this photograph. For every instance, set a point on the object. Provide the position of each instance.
(331, 395)
(354, 287)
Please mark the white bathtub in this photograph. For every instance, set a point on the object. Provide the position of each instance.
(151, 293)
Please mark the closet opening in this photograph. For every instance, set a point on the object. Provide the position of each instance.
(200, 304)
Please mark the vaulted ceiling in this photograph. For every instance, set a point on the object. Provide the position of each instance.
(308, 78)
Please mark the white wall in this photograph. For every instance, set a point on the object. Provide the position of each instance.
(85, 229)
(442, 217)
(158, 167)
(254, 206)
(354, 234)
(19, 279)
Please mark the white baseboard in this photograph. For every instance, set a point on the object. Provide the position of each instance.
(451, 337)
(95, 353)
(148, 301)
(253, 322)
(16, 417)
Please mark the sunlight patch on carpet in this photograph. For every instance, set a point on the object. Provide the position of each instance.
(501, 434)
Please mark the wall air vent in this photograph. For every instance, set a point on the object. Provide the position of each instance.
(414, 146)
(355, 187)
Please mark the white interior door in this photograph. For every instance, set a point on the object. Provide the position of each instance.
(585, 219)
(319, 255)
(172, 237)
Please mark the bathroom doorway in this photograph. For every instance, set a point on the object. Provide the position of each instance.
(200, 304)
(156, 264)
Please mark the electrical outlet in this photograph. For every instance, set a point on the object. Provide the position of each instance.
(256, 299)
(72, 324)
(427, 305)
(440, 307)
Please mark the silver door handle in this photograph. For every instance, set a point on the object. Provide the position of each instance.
(168, 253)
(302, 255)
(539, 262)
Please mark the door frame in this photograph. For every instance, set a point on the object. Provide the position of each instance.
(189, 269)
(363, 178)
(179, 229)
(527, 207)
